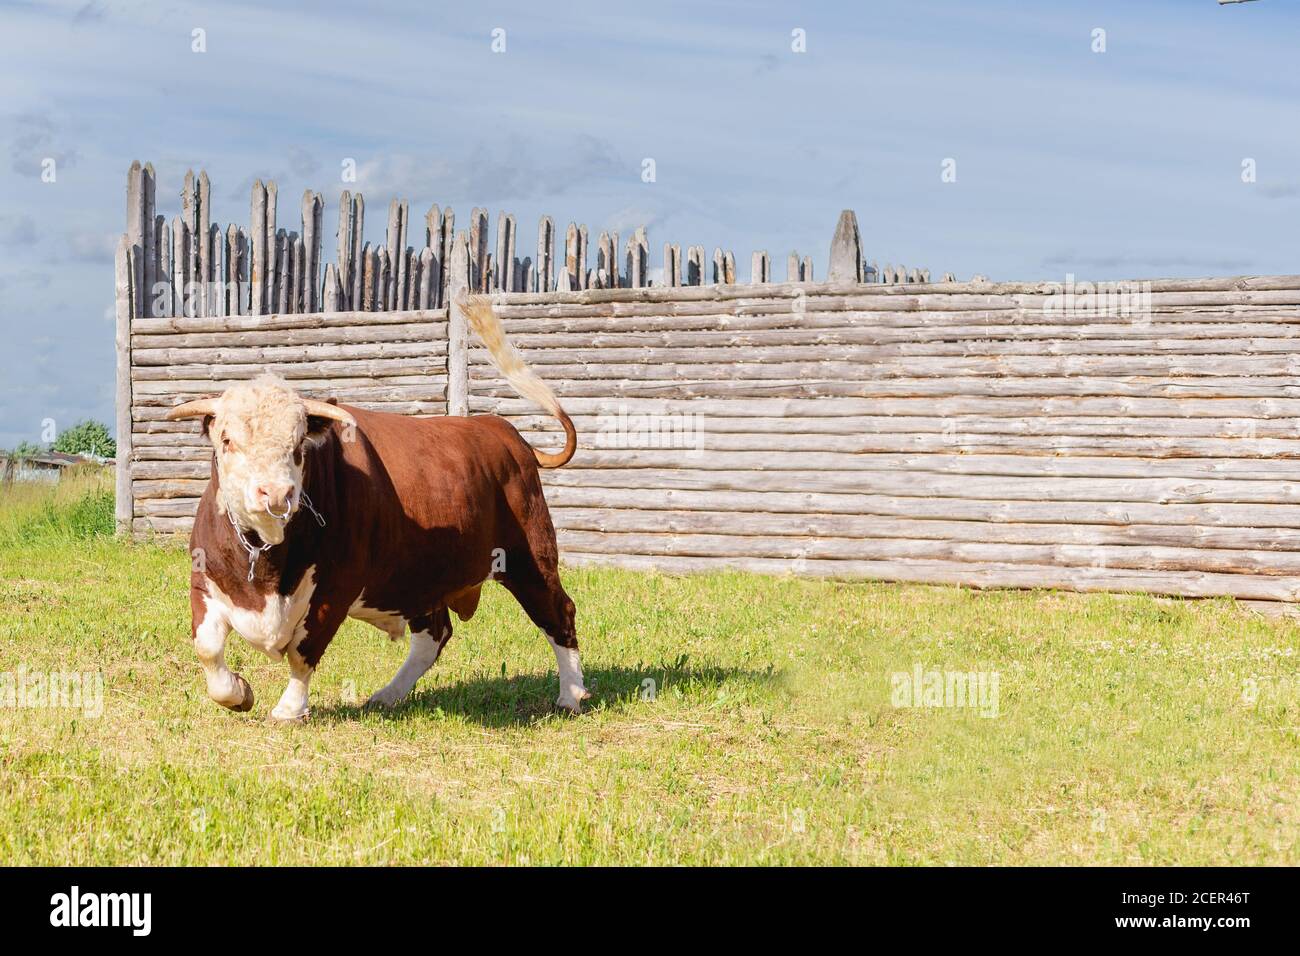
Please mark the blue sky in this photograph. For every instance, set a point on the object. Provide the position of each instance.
(1122, 164)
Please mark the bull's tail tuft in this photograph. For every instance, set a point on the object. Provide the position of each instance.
(485, 323)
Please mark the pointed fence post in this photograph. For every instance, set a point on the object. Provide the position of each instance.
(846, 250)
(458, 329)
(124, 507)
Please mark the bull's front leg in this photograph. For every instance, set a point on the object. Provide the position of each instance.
(209, 629)
(325, 615)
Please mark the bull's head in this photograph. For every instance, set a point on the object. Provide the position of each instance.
(261, 432)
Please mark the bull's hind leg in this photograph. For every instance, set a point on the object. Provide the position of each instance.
(429, 634)
(536, 586)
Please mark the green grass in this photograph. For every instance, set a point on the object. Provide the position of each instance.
(1129, 729)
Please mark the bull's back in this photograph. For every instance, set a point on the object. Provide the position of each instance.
(444, 470)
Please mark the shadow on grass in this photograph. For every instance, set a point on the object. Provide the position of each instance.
(522, 699)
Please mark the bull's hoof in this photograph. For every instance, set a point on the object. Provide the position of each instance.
(383, 699)
(283, 719)
(573, 704)
(246, 702)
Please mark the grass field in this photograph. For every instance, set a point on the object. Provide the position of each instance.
(1124, 730)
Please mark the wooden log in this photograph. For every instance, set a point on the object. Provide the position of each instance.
(181, 267)
(388, 295)
(367, 283)
(1186, 584)
(793, 269)
(759, 268)
(478, 247)
(719, 266)
(164, 299)
(358, 259)
(448, 240)
(245, 266)
(230, 273)
(149, 243)
(216, 264)
(332, 291)
(729, 268)
(545, 255)
(695, 266)
(584, 278)
(122, 274)
(571, 258)
(203, 270)
(300, 296)
(400, 261)
(428, 367)
(344, 251)
(501, 281)
(384, 279)
(1128, 557)
(458, 329)
(309, 273)
(257, 229)
(284, 280)
(846, 250)
(136, 207)
(1046, 387)
(429, 273)
(947, 509)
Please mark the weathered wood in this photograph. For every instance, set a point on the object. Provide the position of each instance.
(257, 232)
(181, 268)
(136, 229)
(458, 329)
(283, 277)
(729, 269)
(448, 238)
(569, 278)
(297, 303)
(846, 250)
(164, 296)
(358, 258)
(478, 248)
(332, 291)
(545, 256)
(584, 279)
(149, 239)
(122, 275)
(388, 294)
(310, 271)
(343, 254)
(1186, 583)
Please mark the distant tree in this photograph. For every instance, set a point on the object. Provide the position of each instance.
(25, 449)
(88, 437)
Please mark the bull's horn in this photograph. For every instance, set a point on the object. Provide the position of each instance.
(198, 408)
(326, 410)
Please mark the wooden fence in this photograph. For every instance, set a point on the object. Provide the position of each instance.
(1140, 436)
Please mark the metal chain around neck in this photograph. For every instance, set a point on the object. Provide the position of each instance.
(255, 553)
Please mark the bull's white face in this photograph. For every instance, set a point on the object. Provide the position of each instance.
(259, 435)
(261, 432)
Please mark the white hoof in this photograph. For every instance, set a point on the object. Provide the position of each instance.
(572, 700)
(385, 697)
(286, 715)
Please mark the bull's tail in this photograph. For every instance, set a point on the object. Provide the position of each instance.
(483, 320)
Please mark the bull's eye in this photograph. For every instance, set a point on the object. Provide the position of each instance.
(297, 455)
(227, 444)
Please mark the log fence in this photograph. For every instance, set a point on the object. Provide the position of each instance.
(875, 424)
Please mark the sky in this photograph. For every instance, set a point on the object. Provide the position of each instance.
(1117, 159)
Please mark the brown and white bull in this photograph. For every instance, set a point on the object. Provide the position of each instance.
(316, 512)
